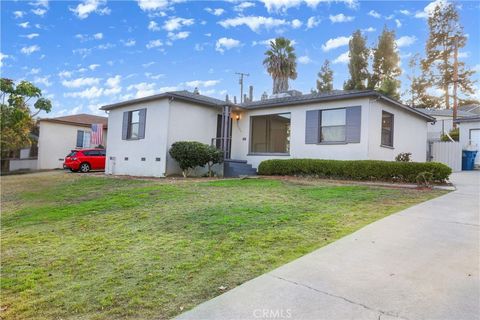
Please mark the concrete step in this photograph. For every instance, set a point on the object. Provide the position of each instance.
(235, 168)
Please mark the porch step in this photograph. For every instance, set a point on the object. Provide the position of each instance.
(235, 168)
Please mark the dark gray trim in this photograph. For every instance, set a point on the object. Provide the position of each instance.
(268, 154)
(385, 146)
(287, 101)
(392, 130)
(312, 126)
(353, 129)
(80, 135)
(181, 95)
(142, 120)
(468, 119)
(126, 115)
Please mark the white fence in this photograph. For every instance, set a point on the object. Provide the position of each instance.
(23, 164)
(449, 153)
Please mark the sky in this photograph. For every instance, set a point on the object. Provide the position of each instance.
(90, 53)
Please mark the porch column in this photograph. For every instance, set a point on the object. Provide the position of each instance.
(226, 138)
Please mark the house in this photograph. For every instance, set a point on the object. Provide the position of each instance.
(471, 108)
(344, 125)
(443, 121)
(59, 135)
(469, 128)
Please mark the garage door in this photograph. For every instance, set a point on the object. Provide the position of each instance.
(475, 140)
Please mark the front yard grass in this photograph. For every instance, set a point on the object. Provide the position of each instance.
(81, 246)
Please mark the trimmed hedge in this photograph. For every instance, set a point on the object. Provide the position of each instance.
(356, 169)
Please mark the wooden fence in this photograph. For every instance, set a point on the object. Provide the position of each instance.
(449, 153)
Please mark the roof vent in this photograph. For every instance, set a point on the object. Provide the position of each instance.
(195, 91)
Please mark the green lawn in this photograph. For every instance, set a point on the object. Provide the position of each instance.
(81, 246)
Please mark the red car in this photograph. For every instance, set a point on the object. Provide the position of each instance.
(85, 160)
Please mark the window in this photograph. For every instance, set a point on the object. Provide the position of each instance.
(333, 125)
(270, 133)
(387, 129)
(92, 153)
(83, 139)
(133, 124)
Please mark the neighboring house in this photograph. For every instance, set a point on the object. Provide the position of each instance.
(443, 121)
(470, 134)
(340, 125)
(58, 136)
(471, 108)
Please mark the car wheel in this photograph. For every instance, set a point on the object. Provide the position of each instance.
(84, 167)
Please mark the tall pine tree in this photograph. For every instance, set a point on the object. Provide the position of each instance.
(358, 65)
(445, 31)
(325, 78)
(386, 68)
(416, 95)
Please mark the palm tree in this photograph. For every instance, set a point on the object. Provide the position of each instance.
(281, 63)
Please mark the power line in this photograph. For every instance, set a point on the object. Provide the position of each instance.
(240, 81)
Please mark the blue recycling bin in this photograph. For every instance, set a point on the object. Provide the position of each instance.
(468, 159)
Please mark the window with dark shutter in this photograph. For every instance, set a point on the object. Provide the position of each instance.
(133, 127)
(332, 126)
(387, 129)
(79, 143)
(354, 123)
(312, 126)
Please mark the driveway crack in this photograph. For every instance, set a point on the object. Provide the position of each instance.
(381, 312)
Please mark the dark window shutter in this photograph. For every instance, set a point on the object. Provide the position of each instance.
(312, 126)
(141, 126)
(354, 119)
(125, 125)
(79, 138)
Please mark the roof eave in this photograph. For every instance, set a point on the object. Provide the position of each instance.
(401, 105)
(157, 97)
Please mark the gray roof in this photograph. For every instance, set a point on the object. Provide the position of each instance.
(469, 119)
(445, 112)
(329, 96)
(182, 95)
(472, 108)
(275, 102)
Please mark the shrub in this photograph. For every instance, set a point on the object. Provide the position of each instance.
(424, 179)
(189, 154)
(403, 157)
(356, 169)
(213, 156)
(454, 133)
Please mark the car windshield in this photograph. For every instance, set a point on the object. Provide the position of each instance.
(72, 154)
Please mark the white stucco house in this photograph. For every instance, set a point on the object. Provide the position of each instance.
(443, 121)
(343, 125)
(58, 136)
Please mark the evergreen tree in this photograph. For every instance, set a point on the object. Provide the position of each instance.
(416, 94)
(445, 31)
(386, 68)
(358, 65)
(325, 78)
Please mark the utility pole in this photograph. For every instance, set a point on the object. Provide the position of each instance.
(455, 81)
(240, 81)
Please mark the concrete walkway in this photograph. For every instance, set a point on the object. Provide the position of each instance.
(421, 263)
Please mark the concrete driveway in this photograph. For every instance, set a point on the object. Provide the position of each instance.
(421, 263)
